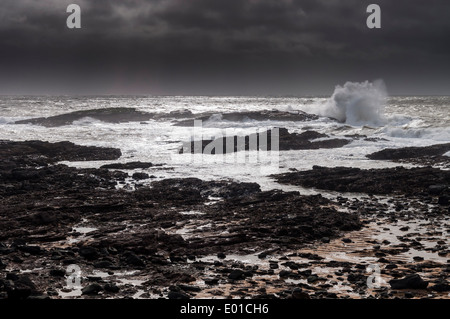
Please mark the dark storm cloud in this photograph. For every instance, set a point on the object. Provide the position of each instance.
(223, 46)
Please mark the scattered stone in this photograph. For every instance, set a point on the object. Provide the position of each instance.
(92, 289)
(264, 115)
(89, 253)
(374, 181)
(287, 141)
(32, 250)
(178, 295)
(130, 165)
(20, 287)
(140, 176)
(236, 274)
(441, 287)
(211, 281)
(298, 293)
(187, 288)
(221, 255)
(409, 282)
(312, 279)
(444, 200)
(132, 259)
(58, 273)
(112, 287)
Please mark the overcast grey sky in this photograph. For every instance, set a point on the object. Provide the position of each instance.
(302, 47)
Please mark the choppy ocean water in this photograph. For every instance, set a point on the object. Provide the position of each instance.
(398, 122)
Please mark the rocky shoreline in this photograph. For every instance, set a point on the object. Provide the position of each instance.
(426, 156)
(189, 238)
(179, 118)
(308, 140)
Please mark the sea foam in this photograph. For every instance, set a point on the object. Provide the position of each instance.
(356, 103)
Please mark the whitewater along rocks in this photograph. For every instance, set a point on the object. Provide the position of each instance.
(396, 180)
(263, 141)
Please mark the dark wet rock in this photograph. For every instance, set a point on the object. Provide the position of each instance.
(298, 293)
(409, 282)
(33, 250)
(177, 259)
(292, 265)
(57, 272)
(310, 256)
(444, 200)
(287, 141)
(97, 279)
(110, 115)
(39, 297)
(265, 115)
(92, 289)
(355, 277)
(274, 265)
(12, 276)
(427, 155)
(391, 266)
(284, 273)
(183, 187)
(44, 152)
(178, 295)
(441, 287)
(409, 295)
(312, 279)
(140, 176)
(105, 264)
(211, 281)
(283, 218)
(89, 253)
(5, 250)
(138, 230)
(236, 274)
(372, 181)
(189, 288)
(437, 189)
(43, 218)
(132, 259)
(221, 255)
(130, 165)
(262, 255)
(111, 287)
(20, 287)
